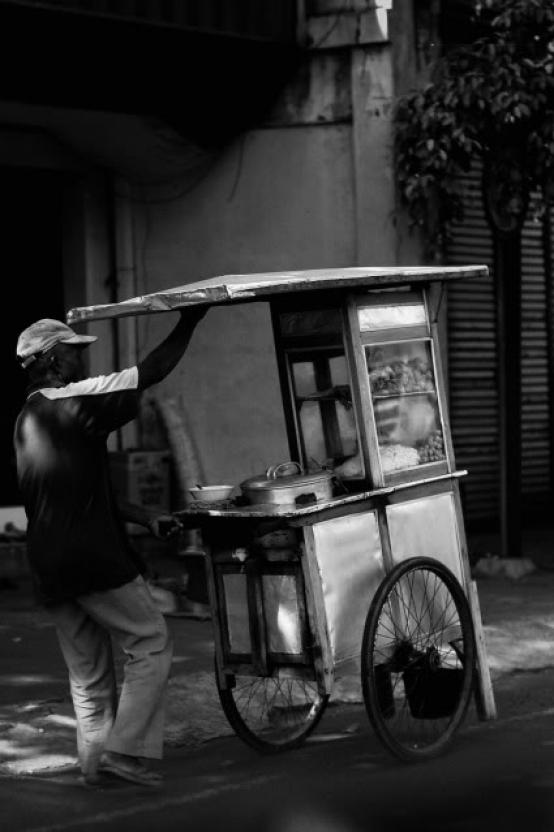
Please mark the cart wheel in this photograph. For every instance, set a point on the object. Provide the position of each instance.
(418, 654)
(272, 714)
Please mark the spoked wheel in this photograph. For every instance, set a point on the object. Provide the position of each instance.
(272, 713)
(418, 654)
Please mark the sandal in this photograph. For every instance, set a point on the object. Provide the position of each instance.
(131, 769)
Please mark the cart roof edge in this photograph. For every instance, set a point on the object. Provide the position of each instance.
(248, 287)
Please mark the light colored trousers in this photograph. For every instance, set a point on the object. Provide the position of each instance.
(85, 626)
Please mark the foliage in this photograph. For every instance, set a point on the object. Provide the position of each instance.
(493, 98)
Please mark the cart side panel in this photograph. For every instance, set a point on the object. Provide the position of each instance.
(426, 527)
(350, 559)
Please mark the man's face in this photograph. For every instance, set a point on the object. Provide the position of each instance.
(69, 361)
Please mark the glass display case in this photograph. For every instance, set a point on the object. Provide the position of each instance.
(320, 391)
(394, 354)
(323, 405)
(363, 390)
(405, 404)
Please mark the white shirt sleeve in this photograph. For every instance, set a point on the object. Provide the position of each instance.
(96, 386)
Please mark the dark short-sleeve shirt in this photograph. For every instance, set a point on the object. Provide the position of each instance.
(76, 541)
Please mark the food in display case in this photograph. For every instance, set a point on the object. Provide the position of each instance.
(396, 457)
(405, 404)
(350, 468)
(405, 420)
(432, 449)
(410, 376)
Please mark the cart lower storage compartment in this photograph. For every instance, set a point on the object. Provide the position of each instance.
(282, 619)
(262, 605)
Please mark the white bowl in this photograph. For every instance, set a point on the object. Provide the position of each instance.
(211, 493)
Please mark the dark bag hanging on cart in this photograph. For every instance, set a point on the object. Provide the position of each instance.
(432, 693)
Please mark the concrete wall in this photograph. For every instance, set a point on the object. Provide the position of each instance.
(279, 199)
(313, 187)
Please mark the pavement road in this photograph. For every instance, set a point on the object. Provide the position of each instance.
(497, 776)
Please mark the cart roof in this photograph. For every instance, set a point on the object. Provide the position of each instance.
(248, 287)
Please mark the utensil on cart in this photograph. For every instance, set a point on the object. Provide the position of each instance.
(278, 486)
(211, 493)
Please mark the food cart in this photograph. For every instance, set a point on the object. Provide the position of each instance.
(352, 553)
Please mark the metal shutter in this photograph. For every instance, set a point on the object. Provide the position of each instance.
(472, 363)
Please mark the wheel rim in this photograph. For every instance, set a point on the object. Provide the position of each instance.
(273, 712)
(418, 661)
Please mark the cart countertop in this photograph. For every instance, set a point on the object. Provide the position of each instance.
(266, 510)
(204, 510)
(248, 287)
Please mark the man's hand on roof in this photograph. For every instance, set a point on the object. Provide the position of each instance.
(163, 358)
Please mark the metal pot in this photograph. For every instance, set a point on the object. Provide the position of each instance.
(277, 487)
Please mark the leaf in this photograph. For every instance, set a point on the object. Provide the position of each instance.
(481, 96)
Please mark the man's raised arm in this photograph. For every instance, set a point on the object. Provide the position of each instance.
(163, 358)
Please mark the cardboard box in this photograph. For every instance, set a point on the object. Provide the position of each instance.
(142, 478)
(13, 560)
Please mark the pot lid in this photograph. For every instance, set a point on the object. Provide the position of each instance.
(278, 478)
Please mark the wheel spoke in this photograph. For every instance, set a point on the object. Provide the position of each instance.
(272, 712)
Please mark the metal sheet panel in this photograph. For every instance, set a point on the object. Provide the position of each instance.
(242, 287)
(426, 527)
(348, 551)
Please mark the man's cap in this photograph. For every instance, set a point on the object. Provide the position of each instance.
(45, 334)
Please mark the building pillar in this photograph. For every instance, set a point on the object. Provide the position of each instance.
(364, 31)
(372, 139)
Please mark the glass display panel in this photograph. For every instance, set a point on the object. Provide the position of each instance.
(304, 377)
(388, 316)
(282, 618)
(236, 608)
(326, 420)
(405, 405)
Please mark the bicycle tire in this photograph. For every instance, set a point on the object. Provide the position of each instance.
(280, 721)
(417, 679)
